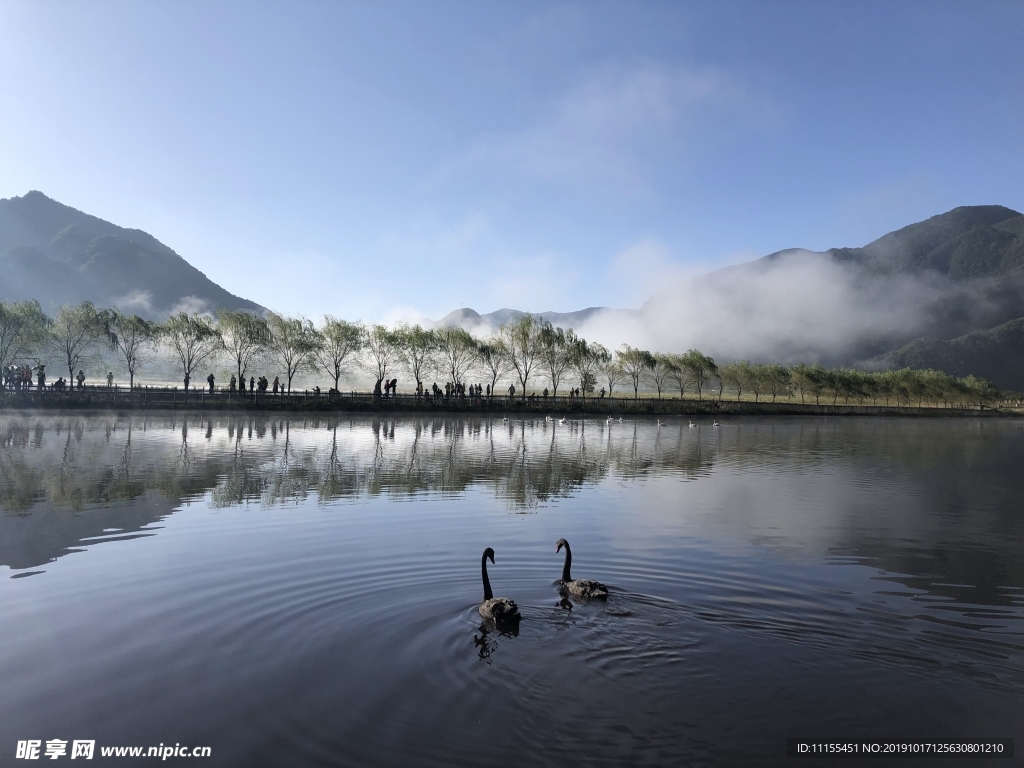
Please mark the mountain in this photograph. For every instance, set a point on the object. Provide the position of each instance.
(59, 255)
(996, 354)
(953, 282)
(474, 321)
(966, 243)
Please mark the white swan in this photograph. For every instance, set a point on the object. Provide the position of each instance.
(588, 589)
(692, 425)
(498, 609)
(715, 424)
(563, 421)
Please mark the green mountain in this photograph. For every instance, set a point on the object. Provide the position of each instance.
(965, 243)
(59, 255)
(996, 354)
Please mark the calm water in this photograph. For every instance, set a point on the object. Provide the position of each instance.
(300, 592)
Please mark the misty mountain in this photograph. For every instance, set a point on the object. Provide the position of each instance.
(59, 255)
(474, 321)
(953, 275)
(996, 354)
(956, 273)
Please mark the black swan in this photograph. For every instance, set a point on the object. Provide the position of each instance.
(588, 589)
(500, 609)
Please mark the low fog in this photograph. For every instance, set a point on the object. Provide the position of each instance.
(797, 306)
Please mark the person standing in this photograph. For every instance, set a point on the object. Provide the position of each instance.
(81, 379)
(210, 379)
(110, 379)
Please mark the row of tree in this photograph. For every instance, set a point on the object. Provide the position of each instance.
(524, 350)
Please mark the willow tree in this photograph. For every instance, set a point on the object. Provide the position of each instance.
(76, 330)
(586, 361)
(23, 330)
(776, 379)
(193, 338)
(612, 372)
(380, 351)
(340, 342)
(737, 374)
(293, 343)
(494, 359)
(554, 354)
(817, 381)
(660, 371)
(635, 363)
(246, 337)
(458, 352)
(417, 350)
(133, 336)
(677, 373)
(521, 339)
(701, 370)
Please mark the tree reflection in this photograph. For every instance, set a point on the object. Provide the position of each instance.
(960, 477)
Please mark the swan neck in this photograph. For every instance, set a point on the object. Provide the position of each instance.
(568, 564)
(487, 582)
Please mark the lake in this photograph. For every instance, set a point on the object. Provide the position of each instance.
(303, 591)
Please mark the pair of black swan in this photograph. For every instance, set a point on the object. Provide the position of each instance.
(501, 609)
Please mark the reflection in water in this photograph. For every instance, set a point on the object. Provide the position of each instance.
(967, 471)
(486, 642)
(304, 590)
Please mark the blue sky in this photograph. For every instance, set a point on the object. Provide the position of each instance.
(375, 160)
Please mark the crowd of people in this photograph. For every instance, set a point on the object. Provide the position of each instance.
(19, 377)
(256, 385)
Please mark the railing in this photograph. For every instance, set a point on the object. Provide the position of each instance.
(196, 398)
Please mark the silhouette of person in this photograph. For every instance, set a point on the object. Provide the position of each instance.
(81, 379)
(210, 379)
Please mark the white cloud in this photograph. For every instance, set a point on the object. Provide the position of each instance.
(138, 302)
(191, 305)
(615, 126)
(642, 269)
(798, 306)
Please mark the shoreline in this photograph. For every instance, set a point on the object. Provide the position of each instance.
(101, 399)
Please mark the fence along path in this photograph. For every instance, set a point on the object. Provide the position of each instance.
(102, 397)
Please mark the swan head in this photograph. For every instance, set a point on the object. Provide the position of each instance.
(489, 554)
(561, 543)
